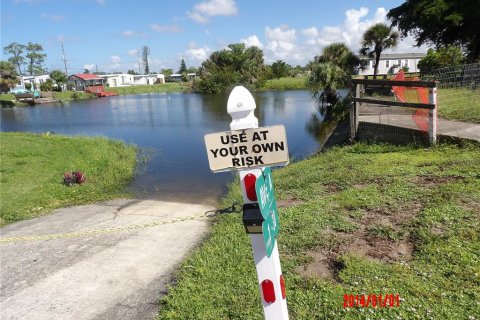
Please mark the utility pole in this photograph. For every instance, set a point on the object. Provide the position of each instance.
(64, 60)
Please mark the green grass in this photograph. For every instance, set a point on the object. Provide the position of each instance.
(425, 199)
(7, 100)
(156, 88)
(459, 104)
(32, 167)
(285, 83)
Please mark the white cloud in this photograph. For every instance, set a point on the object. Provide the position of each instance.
(53, 17)
(281, 43)
(115, 61)
(89, 67)
(252, 41)
(197, 17)
(131, 34)
(203, 11)
(101, 2)
(173, 28)
(310, 32)
(133, 53)
(128, 33)
(196, 54)
(65, 38)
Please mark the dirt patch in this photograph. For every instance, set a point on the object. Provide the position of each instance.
(321, 266)
(361, 186)
(332, 188)
(381, 237)
(430, 181)
(287, 203)
(375, 248)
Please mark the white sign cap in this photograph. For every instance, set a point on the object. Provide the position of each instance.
(241, 106)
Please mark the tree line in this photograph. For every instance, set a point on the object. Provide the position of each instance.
(30, 54)
(449, 25)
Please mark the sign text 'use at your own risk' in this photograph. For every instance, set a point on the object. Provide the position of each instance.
(247, 148)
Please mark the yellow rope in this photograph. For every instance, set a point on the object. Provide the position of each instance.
(88, 233)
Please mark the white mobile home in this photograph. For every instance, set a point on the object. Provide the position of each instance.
(143, 79)
(118, 80)
(38, 79)
(390, 63)
(124, 79)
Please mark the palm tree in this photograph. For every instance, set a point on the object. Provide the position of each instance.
(376, 39)
(330, 71)
(340, 55)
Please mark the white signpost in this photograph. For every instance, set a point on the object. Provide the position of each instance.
(261, 147)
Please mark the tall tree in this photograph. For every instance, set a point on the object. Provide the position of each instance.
(36, 58)
(16, 51)
(441, 23)
(145, 53)
(376, 39)
(340, 55)
(8, 76)
(183, 67)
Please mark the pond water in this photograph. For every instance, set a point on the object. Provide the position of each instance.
(173, 125)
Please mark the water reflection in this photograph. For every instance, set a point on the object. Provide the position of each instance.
(173, 125)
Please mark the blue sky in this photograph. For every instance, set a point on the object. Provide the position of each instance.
(107, 34)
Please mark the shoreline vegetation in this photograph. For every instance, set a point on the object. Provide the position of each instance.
(285, 83)
(32, 168)
(363, 219)
(450, 105)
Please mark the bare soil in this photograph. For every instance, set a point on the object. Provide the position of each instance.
(363, 242)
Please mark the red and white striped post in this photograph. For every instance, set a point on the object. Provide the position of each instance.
(241, 107)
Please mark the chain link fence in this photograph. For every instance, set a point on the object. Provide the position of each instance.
(458, 92)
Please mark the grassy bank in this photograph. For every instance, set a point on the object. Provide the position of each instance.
(361, 219)
(285, 83)
(8, 100)
(156, 88)
(32, 167)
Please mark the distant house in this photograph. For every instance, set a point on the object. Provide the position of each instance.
(124, 79)
(37, 80)
(177, 77)
(118, 80)
(87, 82)
(390, 63)
(142, 79)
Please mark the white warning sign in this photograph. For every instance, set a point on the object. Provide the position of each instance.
(249, 148)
